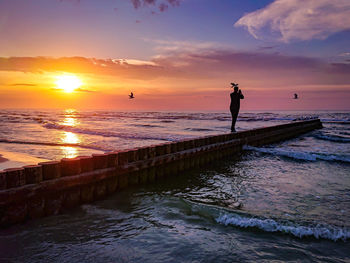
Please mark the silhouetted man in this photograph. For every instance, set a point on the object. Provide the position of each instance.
(236, 97)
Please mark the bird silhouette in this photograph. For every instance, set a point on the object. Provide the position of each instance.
(234, 84)
(131, 96)
(295, 96)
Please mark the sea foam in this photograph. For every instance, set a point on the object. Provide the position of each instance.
(270, 225)
(303, 156)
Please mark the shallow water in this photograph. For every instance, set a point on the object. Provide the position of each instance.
(288, 201)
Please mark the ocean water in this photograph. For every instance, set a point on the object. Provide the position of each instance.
(288, 201)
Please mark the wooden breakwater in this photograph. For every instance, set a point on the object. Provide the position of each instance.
(49, 188)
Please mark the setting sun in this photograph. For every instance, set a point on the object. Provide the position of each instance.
(68, 83)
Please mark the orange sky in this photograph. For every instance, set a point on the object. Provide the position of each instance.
(192, 81)
(174, 58)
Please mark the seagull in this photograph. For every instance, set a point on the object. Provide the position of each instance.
(131, 96)
(295, 96)
(234, 84)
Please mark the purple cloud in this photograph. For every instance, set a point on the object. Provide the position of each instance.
(162, 5)
(263, 70)
(298, 19)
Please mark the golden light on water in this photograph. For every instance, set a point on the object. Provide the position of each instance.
(69, 122)
(70, 138)
(69, 152)
(68, 83)
(69, 119)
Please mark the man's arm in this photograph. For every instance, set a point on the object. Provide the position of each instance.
(241, 95)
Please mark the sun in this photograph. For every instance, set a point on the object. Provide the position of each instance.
(68, 83)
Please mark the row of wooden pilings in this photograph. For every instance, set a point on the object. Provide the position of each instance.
(49, 188)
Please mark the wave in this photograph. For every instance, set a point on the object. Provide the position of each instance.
(167, 121)
(333, 138)
(243, 219)
(105, 133)
(56, 144)
(319, 231)
(272, 118)
(198, 129)
(303, 156)
(146, 125)
(336, 121)
(256, 118)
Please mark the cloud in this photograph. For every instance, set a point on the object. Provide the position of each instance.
(259, 69)
(84, 90)
(298, 19)
(202, 66)
(162, 5)
(23, 84)
(118, 67)
(78, 89)
(167, 46)
(344, 54)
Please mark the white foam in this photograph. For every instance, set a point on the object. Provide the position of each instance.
(269, 225)
(333, 138)
(304, 156)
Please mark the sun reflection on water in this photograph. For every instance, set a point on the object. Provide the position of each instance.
(69, 121)
(69, 152)
(69, 137)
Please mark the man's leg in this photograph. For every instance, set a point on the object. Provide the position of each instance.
(234, 115)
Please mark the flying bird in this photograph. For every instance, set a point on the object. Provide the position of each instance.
(234, 84)
(131, 96)
(295, 96)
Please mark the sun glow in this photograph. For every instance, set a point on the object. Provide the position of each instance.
(69, 151)
(68, 83)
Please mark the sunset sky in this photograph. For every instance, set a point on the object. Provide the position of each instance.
(174, 54)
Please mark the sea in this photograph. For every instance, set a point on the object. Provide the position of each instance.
(284, 202)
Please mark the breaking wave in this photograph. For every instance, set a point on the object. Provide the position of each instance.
(332, 138)
(242, 219)
(318, 231)
(303, 156)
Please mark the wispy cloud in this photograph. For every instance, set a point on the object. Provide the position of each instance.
(298, 19)
(162, 5)
(168, 46)
(258, 69)
(23, 84)
(84, 90)
(119, 67)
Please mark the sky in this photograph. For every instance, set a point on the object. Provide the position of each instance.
(175, 54)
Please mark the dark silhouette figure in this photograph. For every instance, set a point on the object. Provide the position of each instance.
(295, 96)
(236, 97)
(131, 96)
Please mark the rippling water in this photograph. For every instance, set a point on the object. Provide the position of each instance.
(287, 201)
